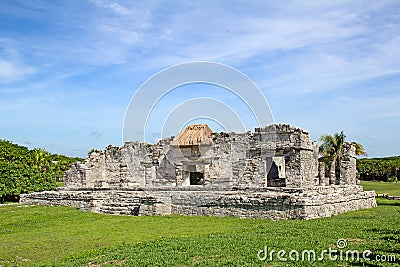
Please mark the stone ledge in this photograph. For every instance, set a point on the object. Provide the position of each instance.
(276, 205)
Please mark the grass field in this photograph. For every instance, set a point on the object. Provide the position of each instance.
(62, 236)
(392, 189)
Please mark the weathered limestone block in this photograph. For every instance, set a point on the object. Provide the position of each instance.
(308, 168)
(293, 172)
(76, 176)
(348, 164)
(278, 204)
(321, 174)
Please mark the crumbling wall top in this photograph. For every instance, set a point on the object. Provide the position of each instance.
(280, 129)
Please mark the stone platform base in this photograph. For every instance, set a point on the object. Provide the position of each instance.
(269, 203)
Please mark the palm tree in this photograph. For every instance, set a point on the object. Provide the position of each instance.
(41, 158)
(331, 151)
(360, 149)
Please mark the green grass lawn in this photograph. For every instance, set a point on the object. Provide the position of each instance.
(62, 236)
(34, 234)
(392, 189)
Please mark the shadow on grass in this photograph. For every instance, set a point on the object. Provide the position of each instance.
(387, 202)
(388, 235)
(391, 237)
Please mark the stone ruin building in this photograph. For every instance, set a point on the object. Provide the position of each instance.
(273, 173)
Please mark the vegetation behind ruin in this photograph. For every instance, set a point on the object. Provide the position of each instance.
(24, 171)
(379, 169)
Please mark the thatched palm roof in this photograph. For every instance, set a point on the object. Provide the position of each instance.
(198, 134)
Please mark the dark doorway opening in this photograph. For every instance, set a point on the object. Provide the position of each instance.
(273, 179)
(196, 178)
(273, 172)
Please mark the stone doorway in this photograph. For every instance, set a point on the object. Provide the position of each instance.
(196, 178)
(276, 176)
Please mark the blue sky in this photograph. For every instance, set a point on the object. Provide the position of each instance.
(68, 69)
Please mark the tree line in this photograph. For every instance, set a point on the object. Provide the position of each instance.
(379, 169)
(24, 171)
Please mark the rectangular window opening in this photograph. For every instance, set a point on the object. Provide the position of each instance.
(196, 178)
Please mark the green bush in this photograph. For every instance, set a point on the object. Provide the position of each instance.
(379, 169)
(25, 171)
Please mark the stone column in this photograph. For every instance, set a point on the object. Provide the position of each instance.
(149, 174)
(321, 173)
(178, 174)
(332, 173)
(348, 164)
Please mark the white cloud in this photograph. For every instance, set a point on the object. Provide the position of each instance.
(96, 134)
(14, 71)
(113, 6)
(295, 50)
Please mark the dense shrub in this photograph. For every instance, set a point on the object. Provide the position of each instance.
(380, 169)
(25, 171)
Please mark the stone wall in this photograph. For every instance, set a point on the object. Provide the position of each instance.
(276, 204)
(243, 159)
(233, 159)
